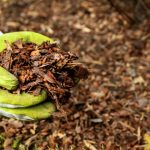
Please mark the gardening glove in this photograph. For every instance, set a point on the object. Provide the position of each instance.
(40, 111)
(10, 82)
(26, 36)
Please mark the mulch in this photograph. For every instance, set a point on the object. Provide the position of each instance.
(110, 110)
(43, 67)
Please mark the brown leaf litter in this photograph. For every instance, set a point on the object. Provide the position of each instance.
(110, 110)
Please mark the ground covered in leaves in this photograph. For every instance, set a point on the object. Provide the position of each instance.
(110, 110)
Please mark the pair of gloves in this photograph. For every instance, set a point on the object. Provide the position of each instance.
(22, 106)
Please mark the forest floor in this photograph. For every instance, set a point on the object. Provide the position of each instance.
(108, 111)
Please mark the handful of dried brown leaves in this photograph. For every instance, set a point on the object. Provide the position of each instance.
(43, 67)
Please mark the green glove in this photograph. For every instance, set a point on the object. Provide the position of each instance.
(7, 99)
(10, 100)
(10, 82)
(26, 36)
(41, 111)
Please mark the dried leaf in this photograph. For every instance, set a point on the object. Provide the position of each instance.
(89, 145)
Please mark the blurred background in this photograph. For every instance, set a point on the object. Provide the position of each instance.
(110, 110)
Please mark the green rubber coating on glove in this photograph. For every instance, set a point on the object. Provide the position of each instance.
(8, 80)
(41, 111)
(22, 100)
(26, 36)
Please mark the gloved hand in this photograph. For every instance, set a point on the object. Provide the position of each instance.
(10, 82)
(26, 36)
(36, 112)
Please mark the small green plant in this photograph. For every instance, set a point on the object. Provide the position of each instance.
(16, 143)
(2, 139)
(58, 148)
(102, 147)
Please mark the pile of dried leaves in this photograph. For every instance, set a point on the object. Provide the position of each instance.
(43, 66)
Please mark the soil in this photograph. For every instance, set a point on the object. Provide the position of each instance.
(110, 110)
